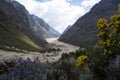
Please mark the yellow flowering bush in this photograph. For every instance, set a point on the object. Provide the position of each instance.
(104, 35)
(109, 34)
(82, 61)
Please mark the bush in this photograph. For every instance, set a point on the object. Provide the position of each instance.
(113, 69)
(26, 70)
(107, 48)
(64, 69)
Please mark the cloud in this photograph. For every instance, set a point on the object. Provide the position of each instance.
(57, 13)
(69, 0)
(87, 4)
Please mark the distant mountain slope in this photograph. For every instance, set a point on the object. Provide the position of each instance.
(66, 29)
(15, 27)
(83, 32)
(41, 28)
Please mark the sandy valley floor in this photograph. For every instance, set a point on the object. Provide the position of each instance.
(51, 57)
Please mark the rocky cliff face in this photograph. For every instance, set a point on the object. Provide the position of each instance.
(42, 29)
(15, 27)
(83, 32)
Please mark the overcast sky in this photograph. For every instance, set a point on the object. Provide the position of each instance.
(58, 13)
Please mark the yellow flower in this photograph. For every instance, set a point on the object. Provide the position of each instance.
(104, 42)
(81, 61)
(114, 18)
(105, 51)
(102, 23)
(108, 42)
(115, 30)
(110, 52)
(98, 35)
(110, 35)
(117, 22)
(77, 65)
(101, 42)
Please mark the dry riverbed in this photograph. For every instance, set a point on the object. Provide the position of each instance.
(43, 57)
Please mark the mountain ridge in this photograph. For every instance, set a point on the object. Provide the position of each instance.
(41, 27)
(16, 28)
(83, 31)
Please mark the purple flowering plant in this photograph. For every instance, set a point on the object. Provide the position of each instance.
(27, 70)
